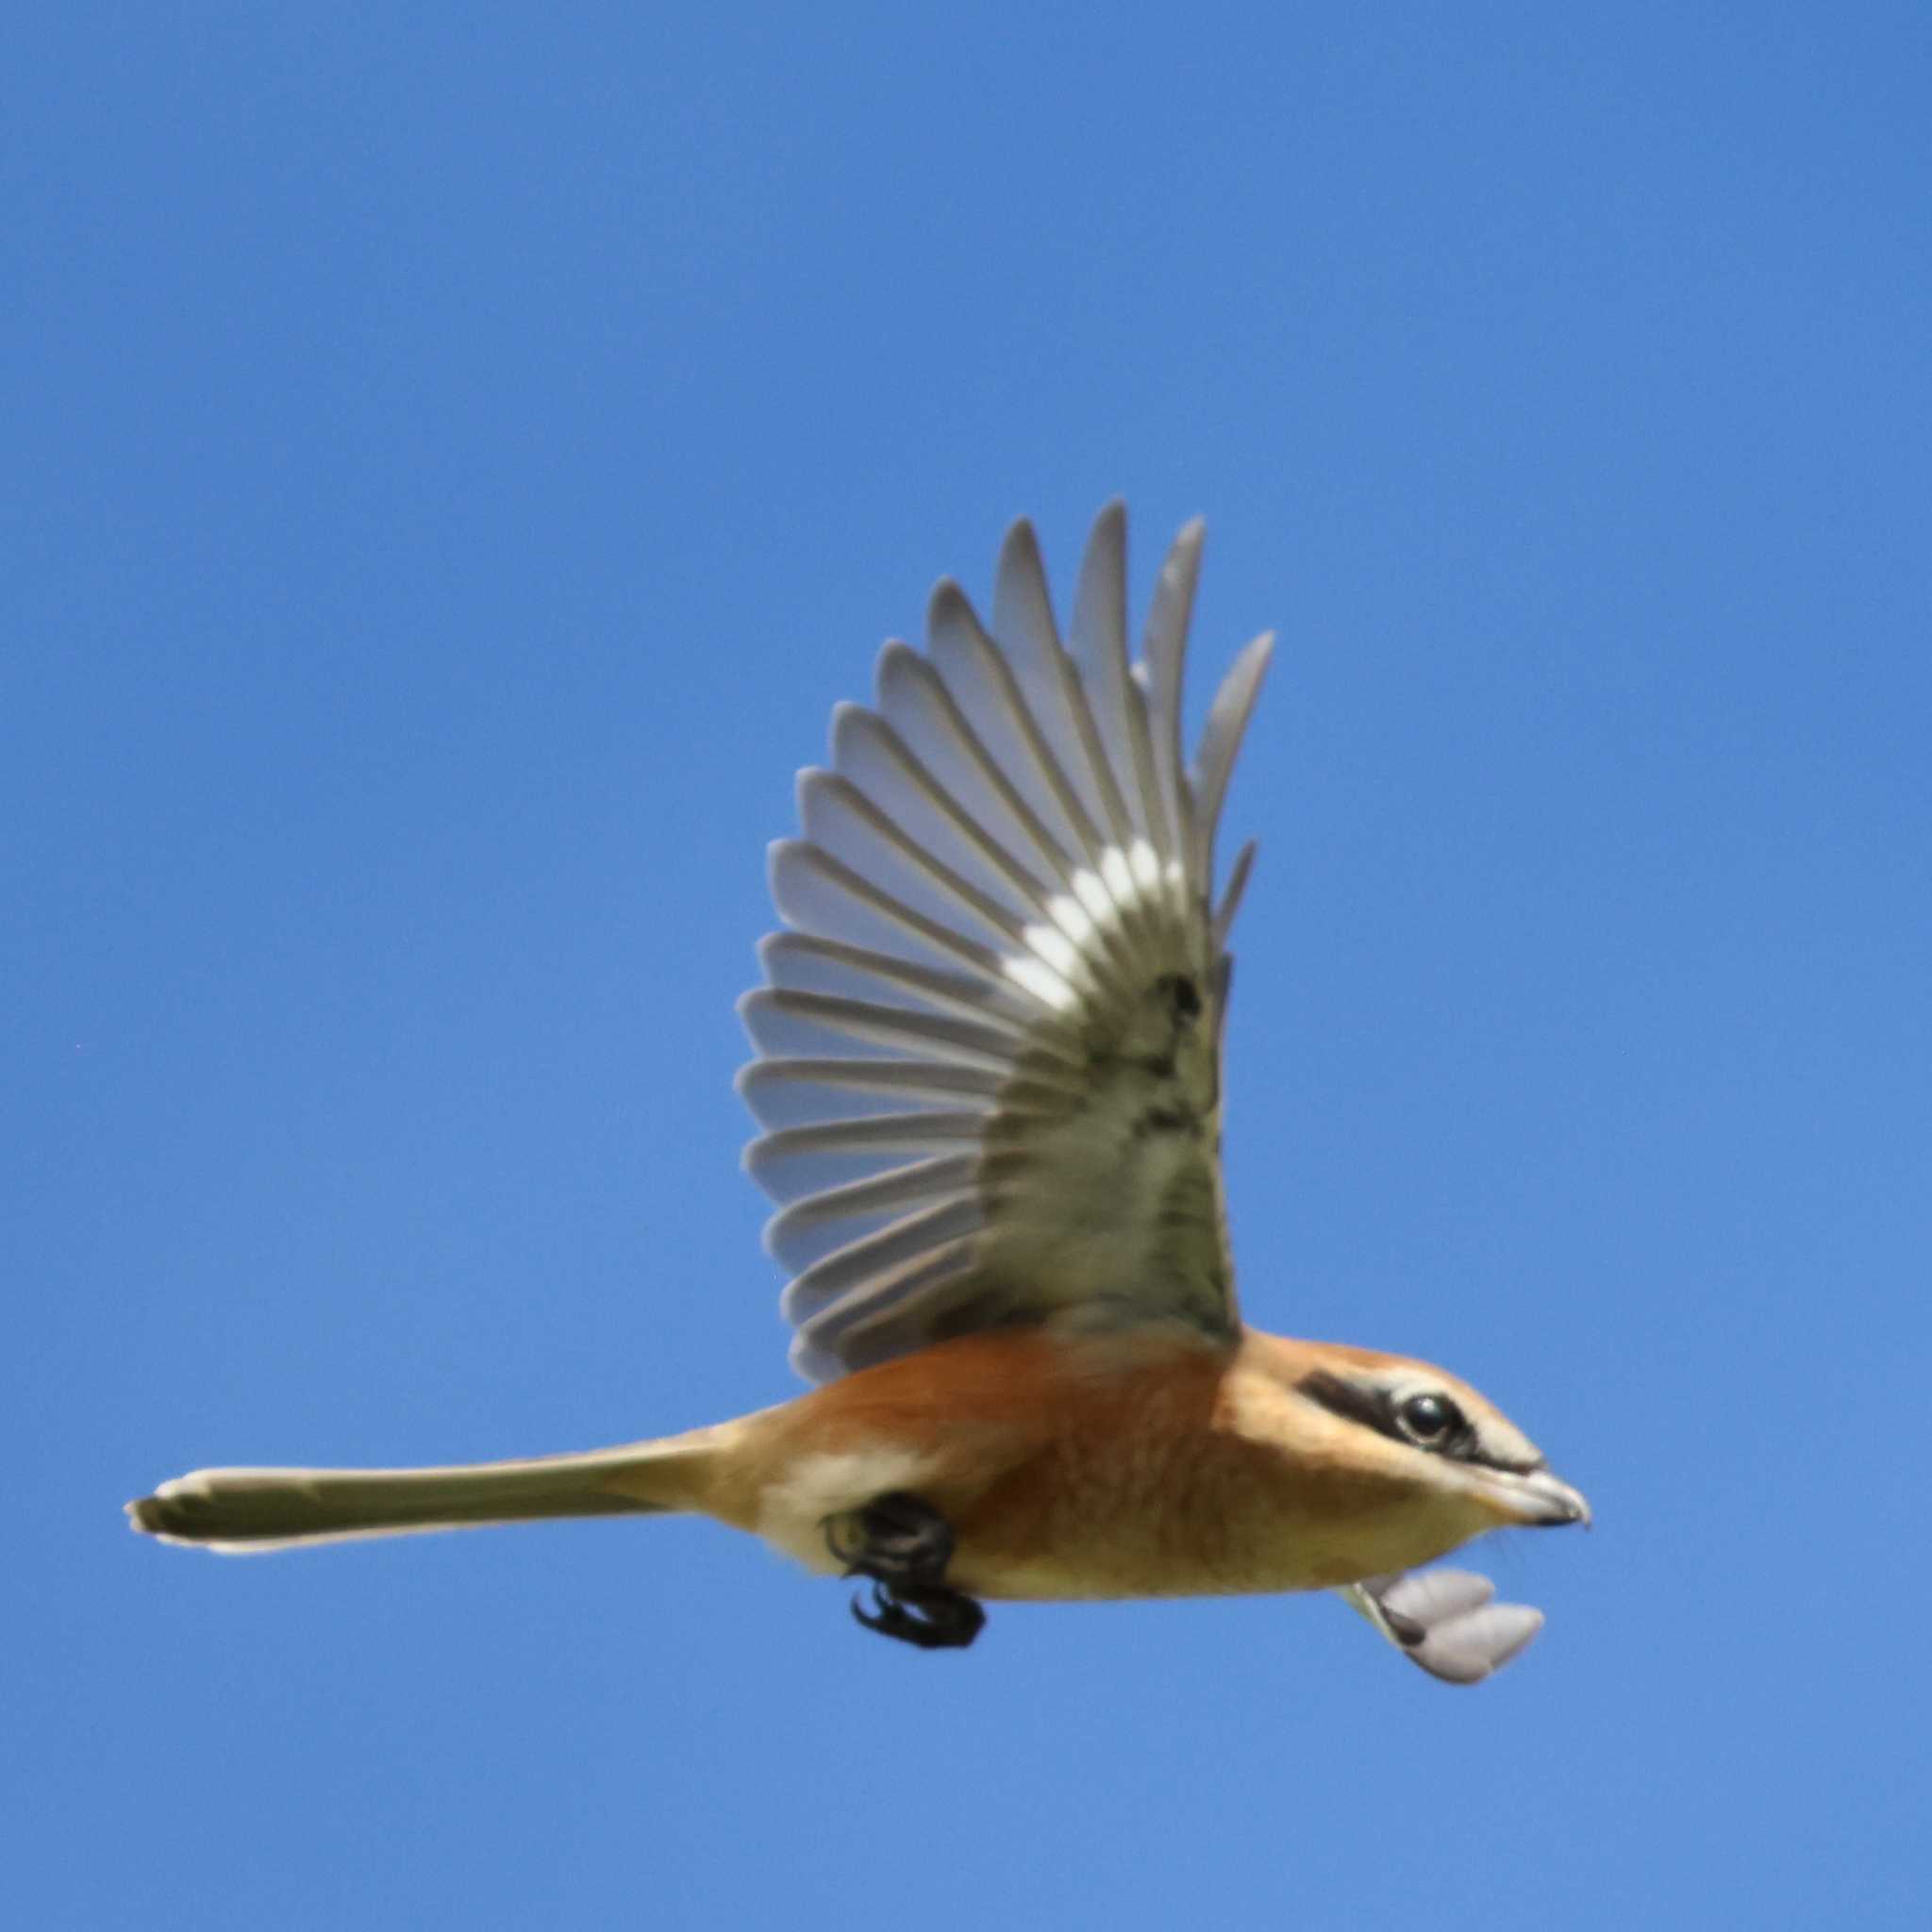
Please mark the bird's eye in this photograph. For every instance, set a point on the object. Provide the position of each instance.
(1430, 1420)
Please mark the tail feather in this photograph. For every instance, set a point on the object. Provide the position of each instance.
(245, 1509)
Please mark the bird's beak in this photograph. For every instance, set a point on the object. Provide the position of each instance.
(1534, 1499)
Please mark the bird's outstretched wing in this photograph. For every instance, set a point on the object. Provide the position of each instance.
(989, 1046)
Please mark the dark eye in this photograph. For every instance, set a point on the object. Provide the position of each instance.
(1430, 1420)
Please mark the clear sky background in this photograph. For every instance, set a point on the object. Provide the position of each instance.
(454, 458)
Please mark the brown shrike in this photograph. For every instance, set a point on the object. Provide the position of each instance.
(988, 1076)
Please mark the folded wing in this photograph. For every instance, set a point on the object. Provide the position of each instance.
(987, 1051)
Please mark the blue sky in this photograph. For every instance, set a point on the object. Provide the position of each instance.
(455, 459)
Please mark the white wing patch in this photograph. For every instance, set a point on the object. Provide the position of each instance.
(987, 1047)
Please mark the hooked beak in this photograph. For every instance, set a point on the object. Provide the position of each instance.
(1534, 1499)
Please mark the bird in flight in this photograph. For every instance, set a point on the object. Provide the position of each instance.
(987, 1074)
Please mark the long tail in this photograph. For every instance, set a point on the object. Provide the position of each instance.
(245, 1509)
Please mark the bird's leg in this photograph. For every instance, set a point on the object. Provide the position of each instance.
(895, 1539)
(927, 1619)
(904, 1545)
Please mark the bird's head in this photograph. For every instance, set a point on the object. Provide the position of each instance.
(1396, 1462)
(1417, 1421)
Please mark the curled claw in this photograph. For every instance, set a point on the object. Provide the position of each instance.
(927, 1619)
(904, 1545)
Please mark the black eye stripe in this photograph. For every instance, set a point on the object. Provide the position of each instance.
(1352, 1401)
(1376, 1408)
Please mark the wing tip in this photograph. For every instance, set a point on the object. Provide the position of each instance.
(1446, 1623)
(1020, 532)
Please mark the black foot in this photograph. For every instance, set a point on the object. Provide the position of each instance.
(895, 1539)
(904, 1545)
(929, 1619)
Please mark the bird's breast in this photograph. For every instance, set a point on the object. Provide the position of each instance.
(1156, 1498)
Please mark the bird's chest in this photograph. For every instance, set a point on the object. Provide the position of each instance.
(1154, 1503)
